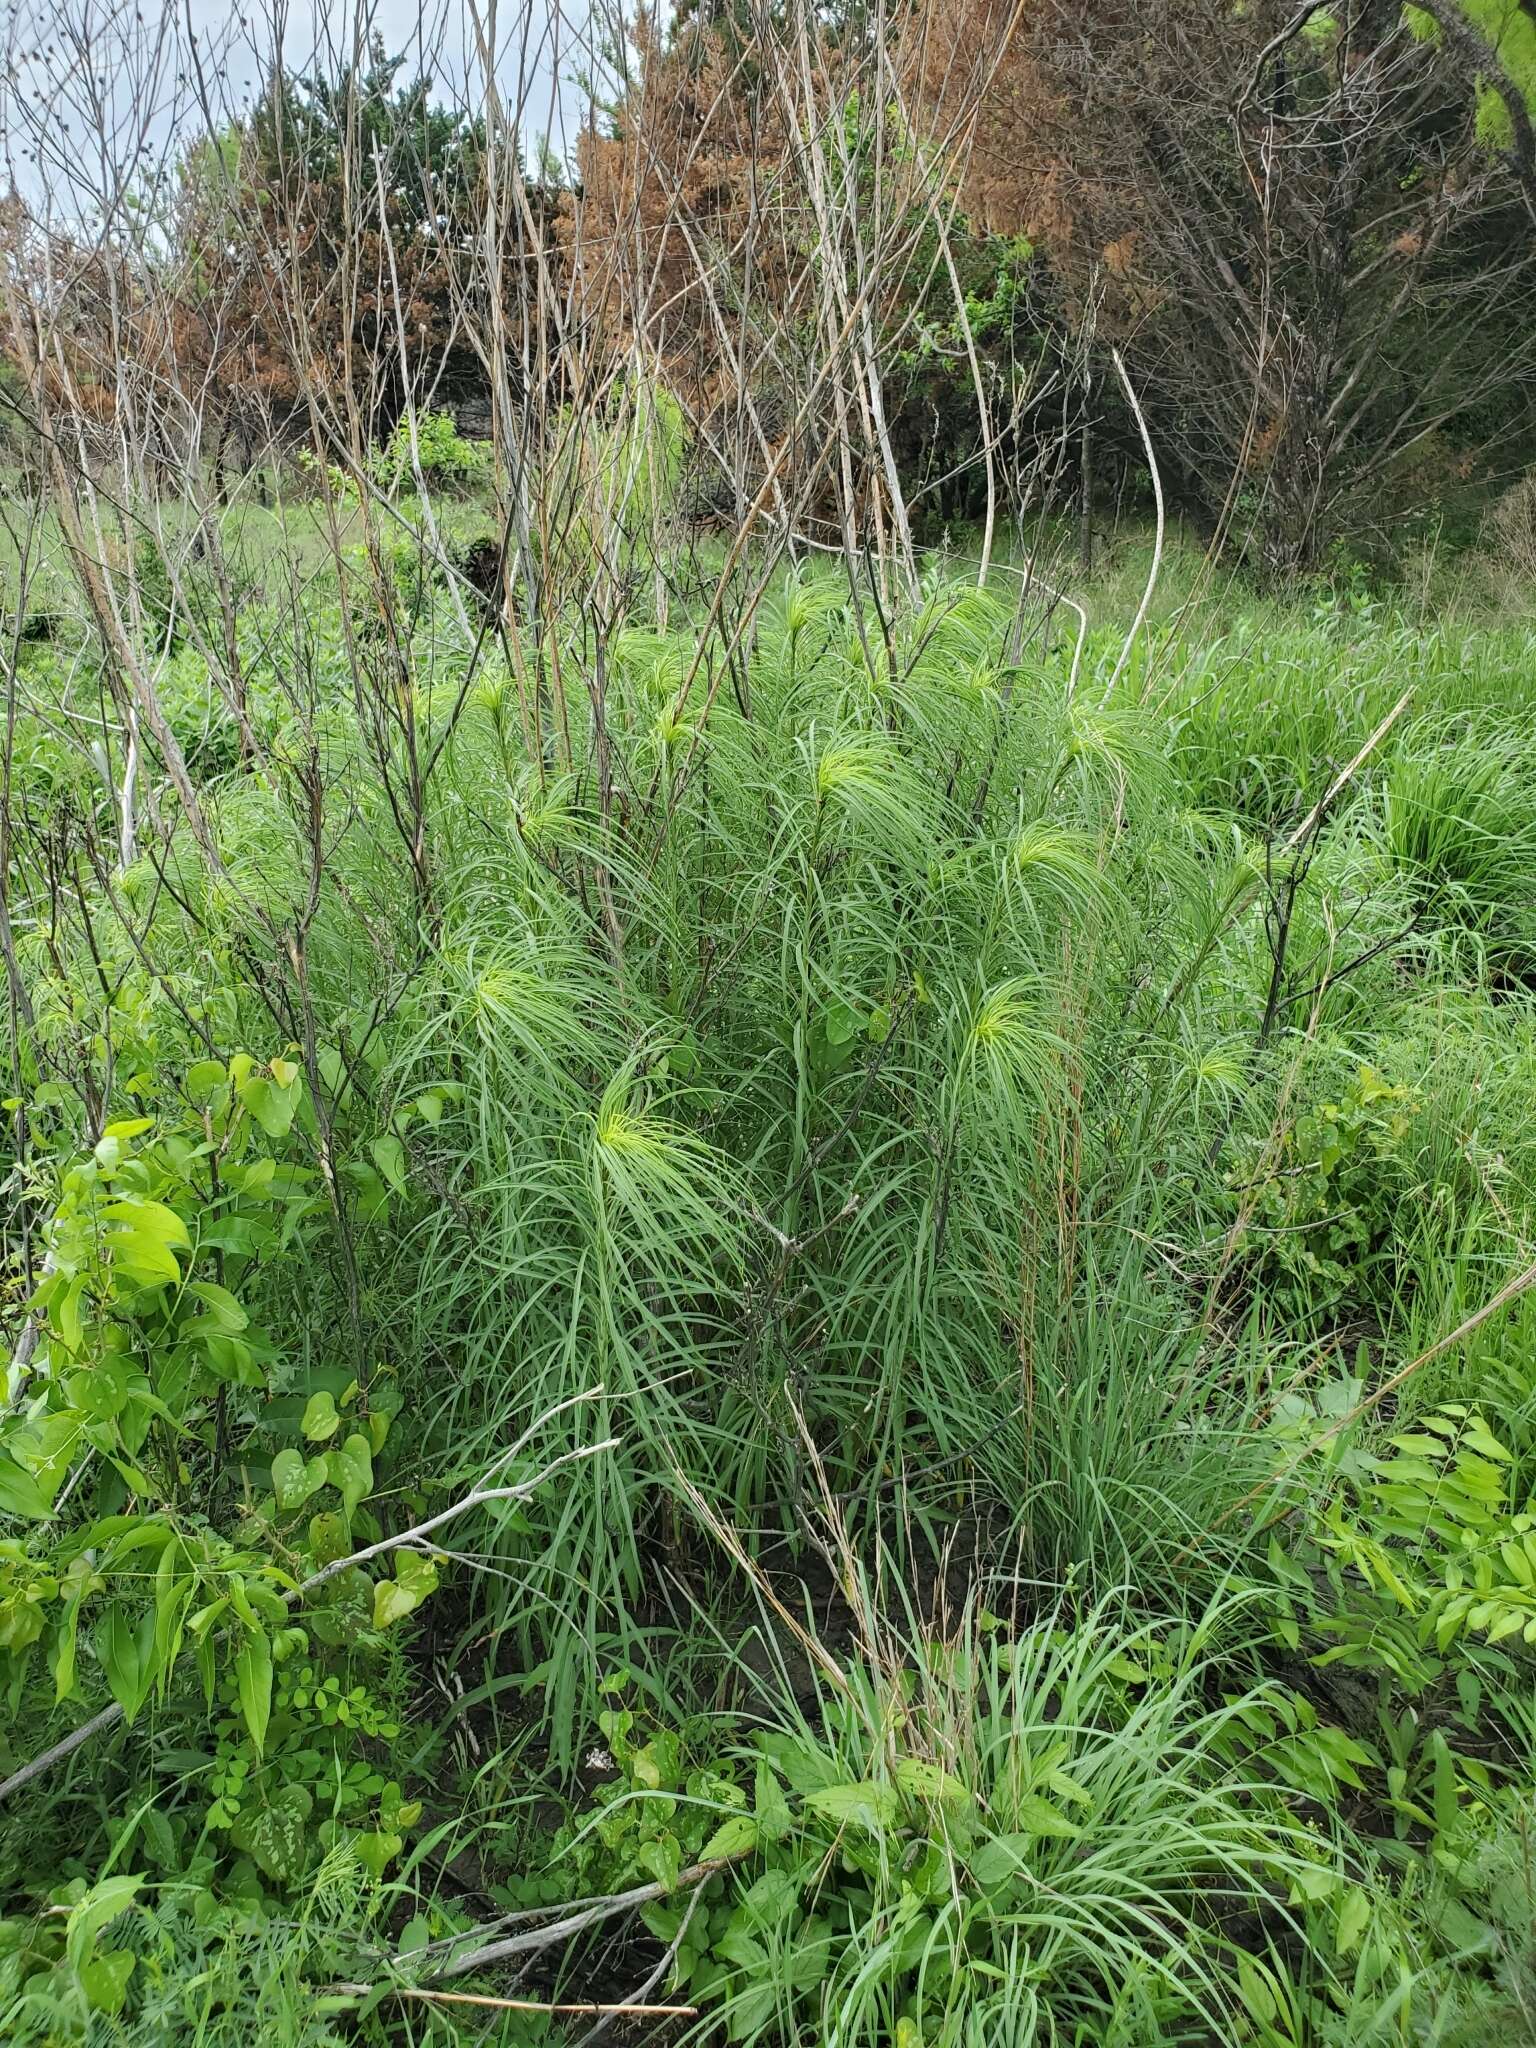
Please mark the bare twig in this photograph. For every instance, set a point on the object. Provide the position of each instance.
(1157, 547)
(643, 1991)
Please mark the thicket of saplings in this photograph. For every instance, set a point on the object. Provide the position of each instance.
(833, 1354)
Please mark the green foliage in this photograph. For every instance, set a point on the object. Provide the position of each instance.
(160, 1959)
(984, 1818)
(1431, 1534)
(1318, 1212)
(142, 1352)
(857, 1113)
(303, 1788)
(430, 449)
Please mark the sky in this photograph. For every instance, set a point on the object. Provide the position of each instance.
(91, 88)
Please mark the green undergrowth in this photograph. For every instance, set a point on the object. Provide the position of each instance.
(955, 1219)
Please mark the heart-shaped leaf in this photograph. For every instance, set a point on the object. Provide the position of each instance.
(351, 1470)
(415, 1577)
(320, 1418)
(294, 1480)
(275, 1835)
(734, 1837)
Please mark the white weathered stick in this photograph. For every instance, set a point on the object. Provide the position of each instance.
(1345, 774)
(627, 2010)
(479, 1498)
(577, 1922)
(1157, 546)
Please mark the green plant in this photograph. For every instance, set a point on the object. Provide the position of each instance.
(431, 448)
(838, 1082)
(1317, 1213)
(1430, 1532)
(1003, 1823)
(304, 1789)
(140, 1352)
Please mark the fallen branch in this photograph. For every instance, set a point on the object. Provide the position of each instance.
(60, 1750)
(643, 1991)
(579, 2010)
(481, 1496)
(577, 1922)
(1346, 774)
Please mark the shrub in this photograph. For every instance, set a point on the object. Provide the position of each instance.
(438, 451)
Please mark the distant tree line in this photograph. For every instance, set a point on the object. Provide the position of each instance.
(1304, 233)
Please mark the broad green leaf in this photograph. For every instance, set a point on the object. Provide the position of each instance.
(159, 1837)
(64, 1315)
(150, 1219)
(46, 1446)
(770, 1900)
(1354, 1918)
(995, 1862)
(231, 1360)
(1446, 1804)
(253, 1677)
(328, 1538)
(104, 1979)
(294, 1479)
(1126, 1669)
(130, 1127)
(272, 1106)
(351, 1471)
(320, 1417)
(865, 1805)
(841, 1022)
(416, 1933)
(741, 1946)
(101, 1391)
(734, 1837)
(662, 1858)
(140, 1240)
(98, 1909)
(1036, 1816)
(1068, 1788)
(275, 1833)
(127, 1653)
(223, 1309)
(377, 1848)
(922, 1780)
(415, 1577)
(204, 1079)
(20, 1493)
(769, 1806)
(389, 1158)
(174, 1590)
